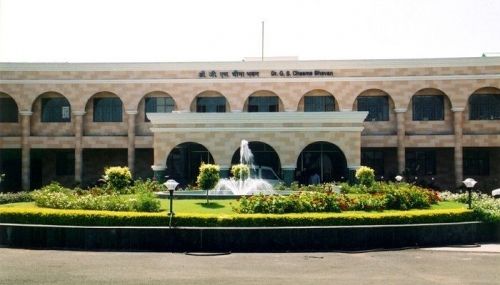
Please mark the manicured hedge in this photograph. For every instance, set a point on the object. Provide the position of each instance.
(107, 218)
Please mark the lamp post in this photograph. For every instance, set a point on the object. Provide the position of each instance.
(171, 185)
(469, 183)
(399, 178)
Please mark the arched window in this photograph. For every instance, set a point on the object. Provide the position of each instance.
(263, 104)
(428, 108)
(319, 104)
(211, 104)
(484, 107)
(163, 104)
(55, 109)
(8, 110)
(377, 107)
(108, 109)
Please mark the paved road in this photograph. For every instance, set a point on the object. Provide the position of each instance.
(480, 266)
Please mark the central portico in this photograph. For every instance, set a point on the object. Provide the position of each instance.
(287, 133)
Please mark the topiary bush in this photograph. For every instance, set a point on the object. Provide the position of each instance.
(240, 171)
(209, 176)
(118, 178)
(365, 175)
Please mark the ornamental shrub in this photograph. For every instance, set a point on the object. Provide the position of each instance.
(209, 176)
(147, 185)
(486, 207)
(295, 203)
(365, 176)
(58, 197)
(146, 202)
(7, 198)
(368, 202)
(405, 198)
(240, 171)
(118, 178)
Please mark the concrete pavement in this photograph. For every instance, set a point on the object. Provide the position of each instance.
(414, 266)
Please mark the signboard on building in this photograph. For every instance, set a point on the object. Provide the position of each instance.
(271, 73)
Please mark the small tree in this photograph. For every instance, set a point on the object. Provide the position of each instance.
(117, 178)
(208, 177)
(240, 171)
(365, 176)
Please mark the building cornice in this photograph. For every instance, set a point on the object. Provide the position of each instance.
(323, 64)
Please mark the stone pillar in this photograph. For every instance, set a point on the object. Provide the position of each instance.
(131, 140)
(224, 171)
(159, 173)
(351, 173)
(458, 116)
(25, 146)
(288, 174)
(400, 120)
(78, 127)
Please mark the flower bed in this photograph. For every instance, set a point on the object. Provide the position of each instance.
(378, 196)
(486, 207)
(58, 197)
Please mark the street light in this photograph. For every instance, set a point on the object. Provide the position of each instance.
(469, 183)
(171, 185)
(399, 178)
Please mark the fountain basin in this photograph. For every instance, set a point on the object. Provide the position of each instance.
(216, 195)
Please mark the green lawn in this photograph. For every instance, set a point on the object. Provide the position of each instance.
(200, 206)
(222, 207)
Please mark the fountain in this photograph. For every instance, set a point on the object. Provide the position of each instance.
(249, 186)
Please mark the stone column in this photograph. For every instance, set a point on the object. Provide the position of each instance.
(25, 146)
(400, 120)
(131, 140)
(351, 175)
(458, 116)
(224, 171)
(78, 127)
(288, 174)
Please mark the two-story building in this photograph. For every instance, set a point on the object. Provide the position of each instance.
(430, 119)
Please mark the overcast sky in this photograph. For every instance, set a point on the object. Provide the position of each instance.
(189, 30)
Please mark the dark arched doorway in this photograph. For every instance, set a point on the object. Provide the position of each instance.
(324, 159)
(264, 155)
(184, 161)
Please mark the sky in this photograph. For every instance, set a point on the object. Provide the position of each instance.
(220, 30)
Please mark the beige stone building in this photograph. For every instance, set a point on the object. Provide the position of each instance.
(433, 120)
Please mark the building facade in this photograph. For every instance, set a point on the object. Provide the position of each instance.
(433, 120)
